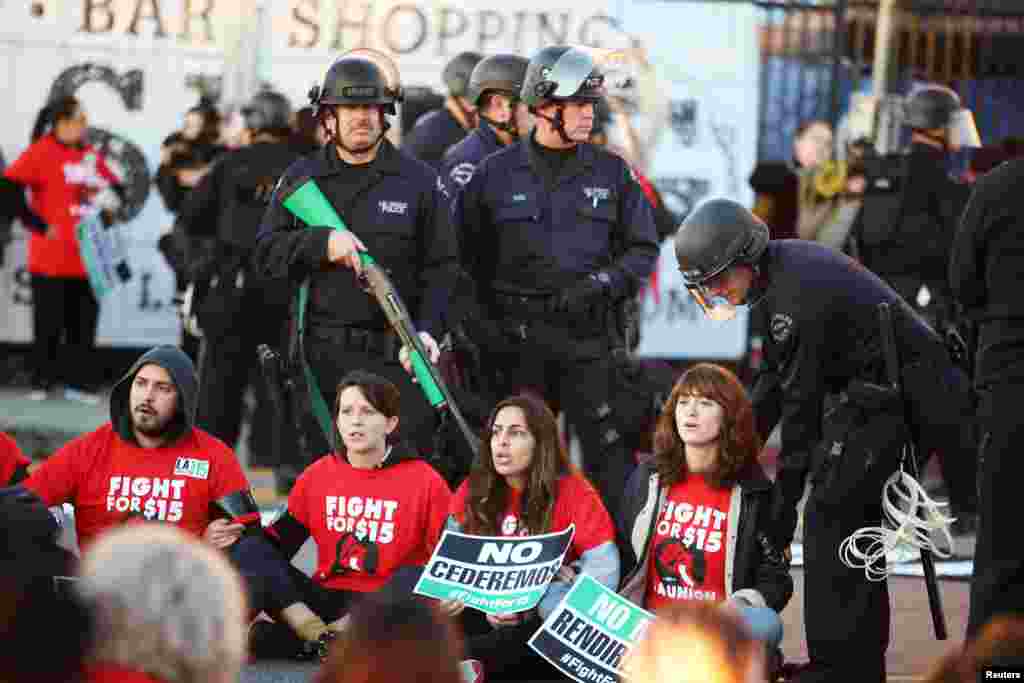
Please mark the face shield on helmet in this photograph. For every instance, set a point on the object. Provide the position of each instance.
(715, 306)
(572, 76)
(961, 130)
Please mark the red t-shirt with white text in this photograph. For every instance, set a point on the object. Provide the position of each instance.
(369, 522)
(576, 502)
(688, 548)
(110, 481)
(63, 181)
(11, 458)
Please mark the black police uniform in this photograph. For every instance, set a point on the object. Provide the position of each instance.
(240, 309)
(393, 205)
(985, 269)
(817, 311)
(432, 135)
(529, 233)
(904, 234)
(461, 159)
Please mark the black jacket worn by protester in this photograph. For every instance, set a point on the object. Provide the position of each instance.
(816, 310)
(399, 213)
(755, 569)
(985, 271)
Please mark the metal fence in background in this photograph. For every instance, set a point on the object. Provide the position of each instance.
(815, 54)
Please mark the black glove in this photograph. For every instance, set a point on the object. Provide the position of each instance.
(585, 294)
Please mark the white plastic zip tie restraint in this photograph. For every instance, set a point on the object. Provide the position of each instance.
(911, 517)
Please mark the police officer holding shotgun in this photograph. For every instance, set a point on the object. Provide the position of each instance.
(394, 211)
(817, 310)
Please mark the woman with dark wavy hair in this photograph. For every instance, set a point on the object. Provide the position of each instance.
(696, 518)
(522, 484)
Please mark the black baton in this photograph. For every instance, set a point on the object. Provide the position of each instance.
(892, 367)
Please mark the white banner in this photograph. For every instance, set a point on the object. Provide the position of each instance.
(708, 149)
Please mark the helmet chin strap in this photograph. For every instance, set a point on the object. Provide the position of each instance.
(558, 122)
(507, 126)
(334, 136)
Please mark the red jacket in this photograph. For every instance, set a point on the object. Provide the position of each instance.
(62, 180)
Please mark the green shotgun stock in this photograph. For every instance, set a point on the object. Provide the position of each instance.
(303, 198)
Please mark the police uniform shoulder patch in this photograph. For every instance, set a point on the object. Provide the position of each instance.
(781, 327)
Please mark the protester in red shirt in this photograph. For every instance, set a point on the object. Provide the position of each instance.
(373, 507)
(63, 174)
(148, 462)
(151, 463)
(696, 518)
(13, 463)
(523, 484)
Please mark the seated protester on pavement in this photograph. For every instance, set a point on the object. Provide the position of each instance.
(151, 463)
(148, 462)
(522, 484)
(694, 520)
(373, 507)
(13, 463)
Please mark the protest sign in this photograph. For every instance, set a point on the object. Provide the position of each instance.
(589, 633)
(496, 575)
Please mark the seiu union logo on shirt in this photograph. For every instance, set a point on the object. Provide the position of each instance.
(371, 519)
(393, 207)
(155, 498)
(191, 467)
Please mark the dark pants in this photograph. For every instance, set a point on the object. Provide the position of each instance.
(64, 316)
(228, 364)
(997, 586)
(582, 387)
(944, 413)
(847, 616)
(330, 361)
(279, 641)
(504, 652)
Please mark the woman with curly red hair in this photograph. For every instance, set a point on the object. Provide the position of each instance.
(695, 520)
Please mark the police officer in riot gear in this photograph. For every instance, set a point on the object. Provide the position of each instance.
(439, 129)
(493, 91)
(904, 234)
(817, 310)
(911, 205)
(985, 274)
(239, 309)
(394, 210)
(556, 233)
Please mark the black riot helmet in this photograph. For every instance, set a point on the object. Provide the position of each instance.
(561, 73)
(718, 234)
(353, 79)
(936, 106)
(502, 73)
(268, 111)
(457, 72)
